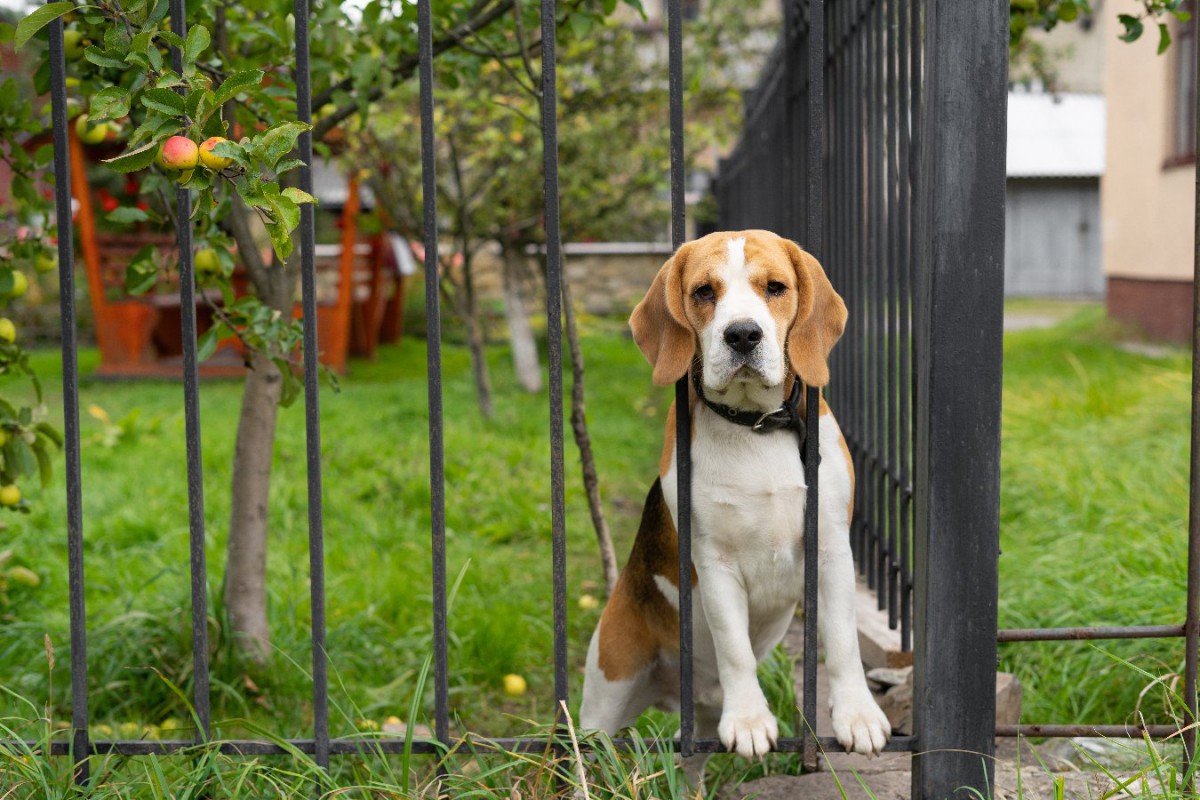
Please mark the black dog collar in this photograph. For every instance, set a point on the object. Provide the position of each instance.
(786, 417)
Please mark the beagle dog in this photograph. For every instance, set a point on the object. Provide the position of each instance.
(749, 314)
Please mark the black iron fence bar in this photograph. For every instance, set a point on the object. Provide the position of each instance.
(312, 412)
(397, 746)
(554, 279)
(851, 98)
(893, 310)
(960, 341)
(1071, 634)
(909, 47)
(433, 359)
(683, 416)
(198, 569)
(858, 283)
(66, 287)
(814, 240)
(1192, 654)
(876, 262)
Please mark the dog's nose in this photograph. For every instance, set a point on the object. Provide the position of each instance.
(743, 336)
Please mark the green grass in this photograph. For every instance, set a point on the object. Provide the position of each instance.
(1094, 500)
(1094, 487)
(375, 459)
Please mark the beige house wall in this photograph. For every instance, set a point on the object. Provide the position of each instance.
(1146, 205)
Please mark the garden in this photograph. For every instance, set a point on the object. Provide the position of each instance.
(1081, 529)
(198, 129)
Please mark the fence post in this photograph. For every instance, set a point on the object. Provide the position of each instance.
(959, 328)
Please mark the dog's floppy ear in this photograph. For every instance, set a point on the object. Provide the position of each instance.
(820, 319)
(660, 326)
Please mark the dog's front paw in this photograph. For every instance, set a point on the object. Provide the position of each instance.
(859, 724)
(752, 733)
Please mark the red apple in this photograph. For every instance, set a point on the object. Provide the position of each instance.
(179, 152)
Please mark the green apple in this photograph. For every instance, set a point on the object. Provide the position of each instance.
(206, 261)
(45, 262)
(92, 135)
(72, 43)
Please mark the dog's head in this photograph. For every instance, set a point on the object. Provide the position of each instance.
(756, 307)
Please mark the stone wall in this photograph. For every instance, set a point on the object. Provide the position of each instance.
(607, 278)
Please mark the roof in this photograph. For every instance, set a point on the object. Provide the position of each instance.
(1055, 135)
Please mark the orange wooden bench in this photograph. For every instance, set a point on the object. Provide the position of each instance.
(140, 336)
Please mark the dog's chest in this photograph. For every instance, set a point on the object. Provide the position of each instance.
(748, 493)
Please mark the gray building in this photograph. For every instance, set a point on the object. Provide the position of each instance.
(1055, 160)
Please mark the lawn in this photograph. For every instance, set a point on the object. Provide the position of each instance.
(375, 457)
(1094, 505)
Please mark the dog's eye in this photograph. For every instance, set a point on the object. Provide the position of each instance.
(775, 288)
(704, 293)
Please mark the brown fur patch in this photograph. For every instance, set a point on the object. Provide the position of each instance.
(849, 468)
(638, 621)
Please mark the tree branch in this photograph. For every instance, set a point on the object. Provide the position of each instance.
(404, 68)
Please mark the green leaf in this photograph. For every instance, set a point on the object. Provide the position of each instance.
(236, 83)
(230, 149)
(39, 19)
(134, 160)
(141, 42)
(172, 38)
(161, 9)
(126, 215)
(1133, 27)
(290, 387)
(19, 457)
(142, 273)
(1164, 38)
(207, 344)
(111, 102)
(164, 100)
(45, 465)
(278, 142)
(298, 196)
(197, 42)
(288, 165)
(50, 432)
(102, 58)
(580, 24)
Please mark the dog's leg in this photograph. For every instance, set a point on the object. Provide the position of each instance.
(610, 705)
(858, 722)
(747, 724)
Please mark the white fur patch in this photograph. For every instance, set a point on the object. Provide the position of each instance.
(669, 591)
(752, 381)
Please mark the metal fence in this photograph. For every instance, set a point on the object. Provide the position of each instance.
(876, 139)
(903, 202)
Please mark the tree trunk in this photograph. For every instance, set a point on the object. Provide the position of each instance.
(479, 367)
(245, 585)
(520, 333)
(583, 441)
(245, 572)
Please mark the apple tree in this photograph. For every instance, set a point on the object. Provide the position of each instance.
(237, 85)
(612, 137)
